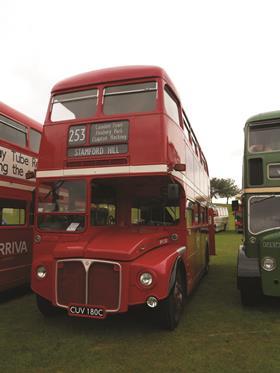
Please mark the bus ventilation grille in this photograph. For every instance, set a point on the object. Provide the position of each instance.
(97, 162)
(92, 282)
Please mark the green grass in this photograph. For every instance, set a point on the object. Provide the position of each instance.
(216, 334)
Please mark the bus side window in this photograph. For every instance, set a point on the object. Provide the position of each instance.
(2, 221)
(12, 212)
(171, 106)
(202, 214)
(196, 213)
(12, 131)
(189, 217)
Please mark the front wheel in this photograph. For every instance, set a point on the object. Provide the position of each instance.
(45, 307)
(249, 297)
(172, 307)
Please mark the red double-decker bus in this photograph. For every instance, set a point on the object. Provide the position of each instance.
(19, 146)
(122, 212)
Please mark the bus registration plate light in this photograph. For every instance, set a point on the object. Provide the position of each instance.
(79, 310)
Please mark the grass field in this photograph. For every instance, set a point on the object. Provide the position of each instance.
(216, 334)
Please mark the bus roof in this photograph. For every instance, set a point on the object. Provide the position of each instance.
(19, 117)
(264, 116)
(114, 74)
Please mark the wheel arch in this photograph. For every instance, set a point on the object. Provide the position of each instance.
(178, 265)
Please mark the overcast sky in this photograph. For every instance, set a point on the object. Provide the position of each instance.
(223, 57)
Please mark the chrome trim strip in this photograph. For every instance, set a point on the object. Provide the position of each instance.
(14, 127)
(87, 264)
(181, 250)
(74, 99)
(129, 92)
(152, 89)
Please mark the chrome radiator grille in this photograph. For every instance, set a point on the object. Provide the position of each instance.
(88, 281)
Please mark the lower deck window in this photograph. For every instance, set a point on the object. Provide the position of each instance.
(103, 204)
(12, 212)
(155, 214)
(62, 205)
(61, 222)
(103, 214)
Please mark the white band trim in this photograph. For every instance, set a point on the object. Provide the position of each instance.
(262, 190)
(190, 185)
(16, 186)
(102, 171)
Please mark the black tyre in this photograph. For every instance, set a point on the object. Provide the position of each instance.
(249, 297)
(45, 307)
(172, 307)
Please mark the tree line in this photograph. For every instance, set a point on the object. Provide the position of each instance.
(223, 188)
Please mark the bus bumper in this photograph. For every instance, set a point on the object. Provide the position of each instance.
(248, 271)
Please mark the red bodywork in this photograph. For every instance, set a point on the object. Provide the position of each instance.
(16, 190)
(101, 265)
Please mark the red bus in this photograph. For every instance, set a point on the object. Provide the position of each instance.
(122, 214)
(19, 146)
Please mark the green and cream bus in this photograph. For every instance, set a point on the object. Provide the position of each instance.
(258, 270)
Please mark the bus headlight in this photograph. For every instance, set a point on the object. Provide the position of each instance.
(146, 279)
(41, 272)
(152, 302)
(37, 238)
(268, 263)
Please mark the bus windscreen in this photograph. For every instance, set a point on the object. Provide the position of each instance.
(264, 139)
(130, 98)
(62, 205)
(74, 105)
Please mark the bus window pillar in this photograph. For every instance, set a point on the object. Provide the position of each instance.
(211, 232)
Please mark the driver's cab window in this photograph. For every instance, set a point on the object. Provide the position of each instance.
(103, 205)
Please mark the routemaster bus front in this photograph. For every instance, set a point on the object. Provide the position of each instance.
(121, 220)
(108, 243)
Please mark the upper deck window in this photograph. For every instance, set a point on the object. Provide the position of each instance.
(35, 139)
(264, 138)
(12, 131)
(171, 106)
(62, 196)
(187, 130)
(74, 105)
(130, 98)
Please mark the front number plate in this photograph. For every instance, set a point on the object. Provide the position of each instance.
(93, 312)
